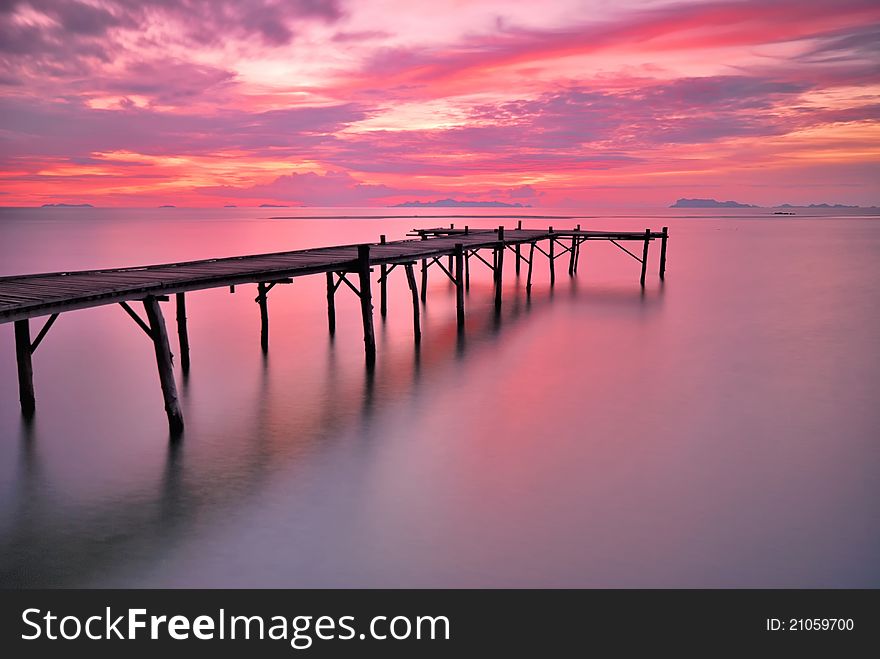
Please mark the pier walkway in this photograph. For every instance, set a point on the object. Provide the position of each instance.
(50, 294)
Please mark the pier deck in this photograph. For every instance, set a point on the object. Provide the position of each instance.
(50, 294)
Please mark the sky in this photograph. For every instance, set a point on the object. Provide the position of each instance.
(560, 103)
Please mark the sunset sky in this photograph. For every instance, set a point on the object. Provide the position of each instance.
(372, 102)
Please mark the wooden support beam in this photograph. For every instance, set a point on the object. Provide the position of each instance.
(25, 367)
(137, 319)
(665, 234)
(42, 333)
(499, 267)
(182, 335)
(572, 255)
(383, 284)
(459, 284)
(331, 304)
(411, 280)
(366, 303)
(263, 301)
(552, 258)
(467, 270)
(163, 362)
(645, 256)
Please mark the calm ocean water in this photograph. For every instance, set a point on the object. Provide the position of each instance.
(719, 430)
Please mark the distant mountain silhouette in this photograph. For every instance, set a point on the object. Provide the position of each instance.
(167, 206)
(230, 206)
(67, 206)
(456, 203)
(709, 203)
(273, 206)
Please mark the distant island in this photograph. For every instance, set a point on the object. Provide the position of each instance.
(230, 206)
(167, 206)
(817, 206)
(67, 206)
(709, 203)
(273, 206)
(456, 203)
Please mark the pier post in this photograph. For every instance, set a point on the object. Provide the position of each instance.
(163, 362)
(571, 255)
(263, 300)
(25, 367)
(424, 280)
(331, 304)
(383, 286)
(552, 258)
(366, 303)
(182, 335)
(645, 256)
(459, 283)
(663, 252)
(531, 260)
(516, 247)
(467, 270)
(499, 267)
(411, 280)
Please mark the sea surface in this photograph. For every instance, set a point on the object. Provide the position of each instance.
(718, 429)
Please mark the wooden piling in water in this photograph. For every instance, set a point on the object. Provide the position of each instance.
(424, 280)
(25, 367)
(499, 267)
(366, 296)
(182, 334)
(531, 260)
(411, 280)
(665, 233)
(552, 258)
(263, 301)
(331, 303)
(383, 285)
(459, 283)
(645, 256)
(159, 334)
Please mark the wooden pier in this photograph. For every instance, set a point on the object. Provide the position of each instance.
(50, 294)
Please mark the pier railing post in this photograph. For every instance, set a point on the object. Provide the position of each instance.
(383, 286)
(331, 304)
(182, 335)
(411, 280)
(163, 361)
(366, 295)
(459, 283)
(645, 256)
(263, 301)
(25, 367)
(517, 248)
(663, 252)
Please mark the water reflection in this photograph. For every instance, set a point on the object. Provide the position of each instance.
(45, 548)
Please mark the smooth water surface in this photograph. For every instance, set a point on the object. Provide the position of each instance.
(720, 429)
